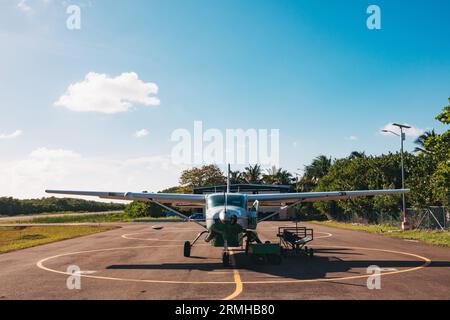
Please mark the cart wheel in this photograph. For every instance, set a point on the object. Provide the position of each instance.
(274, 259)
(258, 259)
(311, 252)
(187, 249)
(226, 259)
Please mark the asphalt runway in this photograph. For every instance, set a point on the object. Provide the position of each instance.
(137, 262)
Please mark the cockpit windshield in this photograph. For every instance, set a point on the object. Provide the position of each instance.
(232, 200)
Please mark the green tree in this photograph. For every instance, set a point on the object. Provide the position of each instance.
(270, 177)
(444, 116)
(252, 174)
(284, 177)
(357, 154)
(420, 141)
(277, 176)
(204, 176)
(318, 168)
(236, 177)
(11, 206)
(439, 149)
(140, 209)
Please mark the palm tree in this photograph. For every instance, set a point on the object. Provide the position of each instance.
(357, 154)
(284, 177)
(305, 185)
(252, 174)
(420, 141)
(236, 177)
(318, 168)
(270, 177)
(277, 176)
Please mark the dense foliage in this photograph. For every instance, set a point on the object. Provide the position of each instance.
(427, 174)
(140, 209)
(11, 206)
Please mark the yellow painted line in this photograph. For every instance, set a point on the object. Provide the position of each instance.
(237, 280)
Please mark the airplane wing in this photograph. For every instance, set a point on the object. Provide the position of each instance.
(284, 199)
(174, 199)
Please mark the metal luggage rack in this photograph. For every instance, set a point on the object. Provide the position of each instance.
(293, 240)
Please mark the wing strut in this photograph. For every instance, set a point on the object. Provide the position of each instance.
(268, 217)
(178, 213)
(282, 209)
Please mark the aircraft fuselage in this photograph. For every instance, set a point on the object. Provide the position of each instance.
(222, 207)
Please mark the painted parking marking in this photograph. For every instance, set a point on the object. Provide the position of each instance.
(41, 264)
(237, 278)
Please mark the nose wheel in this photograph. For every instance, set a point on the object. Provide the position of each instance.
(187, 249)
(226, 259)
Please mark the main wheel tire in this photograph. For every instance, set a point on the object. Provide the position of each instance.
(247, 246)
(187, 249)
(226, 259)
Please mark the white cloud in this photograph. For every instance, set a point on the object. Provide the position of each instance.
(413, 132)
(101, 93)
(141, 133)
(65, 169)
(44, 153)
(352, 138)
(15, 134)
(23, 6)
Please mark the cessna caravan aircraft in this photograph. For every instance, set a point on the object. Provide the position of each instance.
(230, 217)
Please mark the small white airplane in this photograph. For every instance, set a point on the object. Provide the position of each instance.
(230, 217)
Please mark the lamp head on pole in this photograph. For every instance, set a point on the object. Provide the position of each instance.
(402, 126)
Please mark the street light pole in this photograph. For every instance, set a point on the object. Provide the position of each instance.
(402, 135)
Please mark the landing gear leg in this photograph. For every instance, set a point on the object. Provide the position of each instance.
(226, 255)
(247, 245)
(198, 237)
(250, 237)
(188, 245)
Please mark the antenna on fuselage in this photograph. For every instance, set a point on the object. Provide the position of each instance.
(228, 188)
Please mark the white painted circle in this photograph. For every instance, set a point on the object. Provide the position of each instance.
(41, 265)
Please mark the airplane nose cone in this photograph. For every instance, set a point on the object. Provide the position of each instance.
(225, 216)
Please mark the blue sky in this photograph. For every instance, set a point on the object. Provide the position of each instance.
(310, 68)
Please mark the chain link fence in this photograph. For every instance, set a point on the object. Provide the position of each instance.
(429, 218)
(432, 218)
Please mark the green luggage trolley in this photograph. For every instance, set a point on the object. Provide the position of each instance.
(262, 253)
